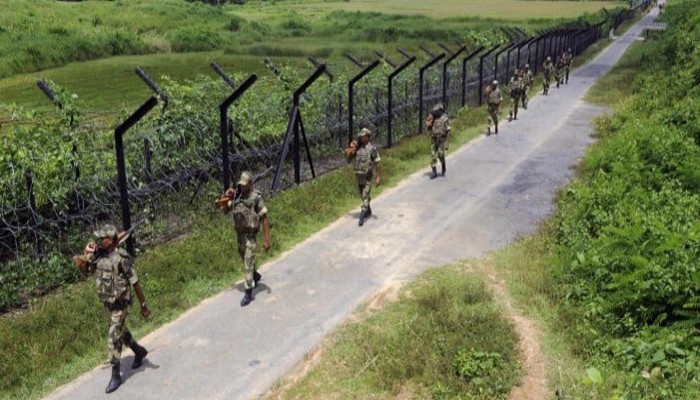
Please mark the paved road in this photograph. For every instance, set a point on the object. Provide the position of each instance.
(497, 188)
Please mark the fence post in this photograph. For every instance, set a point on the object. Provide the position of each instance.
(421, 74)
(295, 127)
(464, 73)
(481, 72)
(495, 66)
(121, 165)
(390, 99)
(444, 73)
(351, 92)
(32, 206)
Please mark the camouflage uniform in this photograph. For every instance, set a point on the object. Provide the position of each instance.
(527, 84)
(559, 66)
(547, 70)
(438, 134)
(248, 211)
(494, 100)
(365, 158)
(114, 273)
(515, 88)
(568, 58)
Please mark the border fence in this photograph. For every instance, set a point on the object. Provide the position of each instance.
(155, 156)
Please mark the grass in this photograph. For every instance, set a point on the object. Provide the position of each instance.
(615, 86)
(515, 10)
(443, 338)
(61, 40)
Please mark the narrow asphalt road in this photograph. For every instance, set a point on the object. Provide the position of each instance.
(496, 189)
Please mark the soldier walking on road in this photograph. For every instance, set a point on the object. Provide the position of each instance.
(515, 90)
(527, 84)
(568, 58)
(494, 98)
(558, 69)
(366, 161)
(439, 126)
(547, 69)
(249, 213)
(115, 273)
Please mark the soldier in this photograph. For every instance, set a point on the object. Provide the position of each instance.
(558, 67)
(494, 98)
(439, 127)
(366, 160)
(114, 270)
(527, 84)
(515, 88)
(547, 69)
(568, 58)
(249, 213)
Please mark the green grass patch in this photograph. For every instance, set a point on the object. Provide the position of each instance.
(617, 85)
(444, 338)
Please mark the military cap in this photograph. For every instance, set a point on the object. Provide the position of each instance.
(439, 107)
(495, 83)
(107, 231)
(365, 132)
(246, 177)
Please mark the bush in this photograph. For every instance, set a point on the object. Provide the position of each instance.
(194, 39)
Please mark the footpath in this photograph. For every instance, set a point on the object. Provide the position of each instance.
(496, 189)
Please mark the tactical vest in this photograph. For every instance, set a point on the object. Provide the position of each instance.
(245, 218)
(515, 86)
(494, 97)
(439, 127)
(527, 78)
(548, 69)
(112, 285)
(363, 159)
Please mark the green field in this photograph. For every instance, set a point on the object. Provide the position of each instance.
(92, 47)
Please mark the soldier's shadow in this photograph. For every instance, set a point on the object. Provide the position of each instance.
(356, 215)
(127, 371)
(260, 287)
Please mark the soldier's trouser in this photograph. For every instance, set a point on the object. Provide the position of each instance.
(119, 334)
(247, 243)
(493, 116)
(567, 74)
(523, 96)
(545, 83)
(514, 100)
(364, 184)
(437, 150)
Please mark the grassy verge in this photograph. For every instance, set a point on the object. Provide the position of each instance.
(616, 85)
(444, 338)
(612, 278)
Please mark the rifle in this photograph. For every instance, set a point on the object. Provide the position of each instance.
(82, 262)
(223, 201)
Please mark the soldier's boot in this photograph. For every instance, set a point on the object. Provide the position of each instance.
(139, 354)
(116, 380)
(434, 175)
(444, 167)
(363, 215)
(510, 116)
(496, 129)
(247, 298)
(488, 131)
(515, 115)
(256, 277)
(369, 212)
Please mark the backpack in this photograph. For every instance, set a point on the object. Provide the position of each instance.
(245, 219)
(363, 160)
(111, 284)
(439, 128)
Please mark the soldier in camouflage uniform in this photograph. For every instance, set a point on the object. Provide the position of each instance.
(494, 98)
(366, 160)
(568, 58)
(547, 68)
(439, 127)
(249, 213)
(558, 69)
(527, 84)
(515, 90)
(114, 271)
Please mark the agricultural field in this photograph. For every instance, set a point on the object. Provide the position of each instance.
(92, 47)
